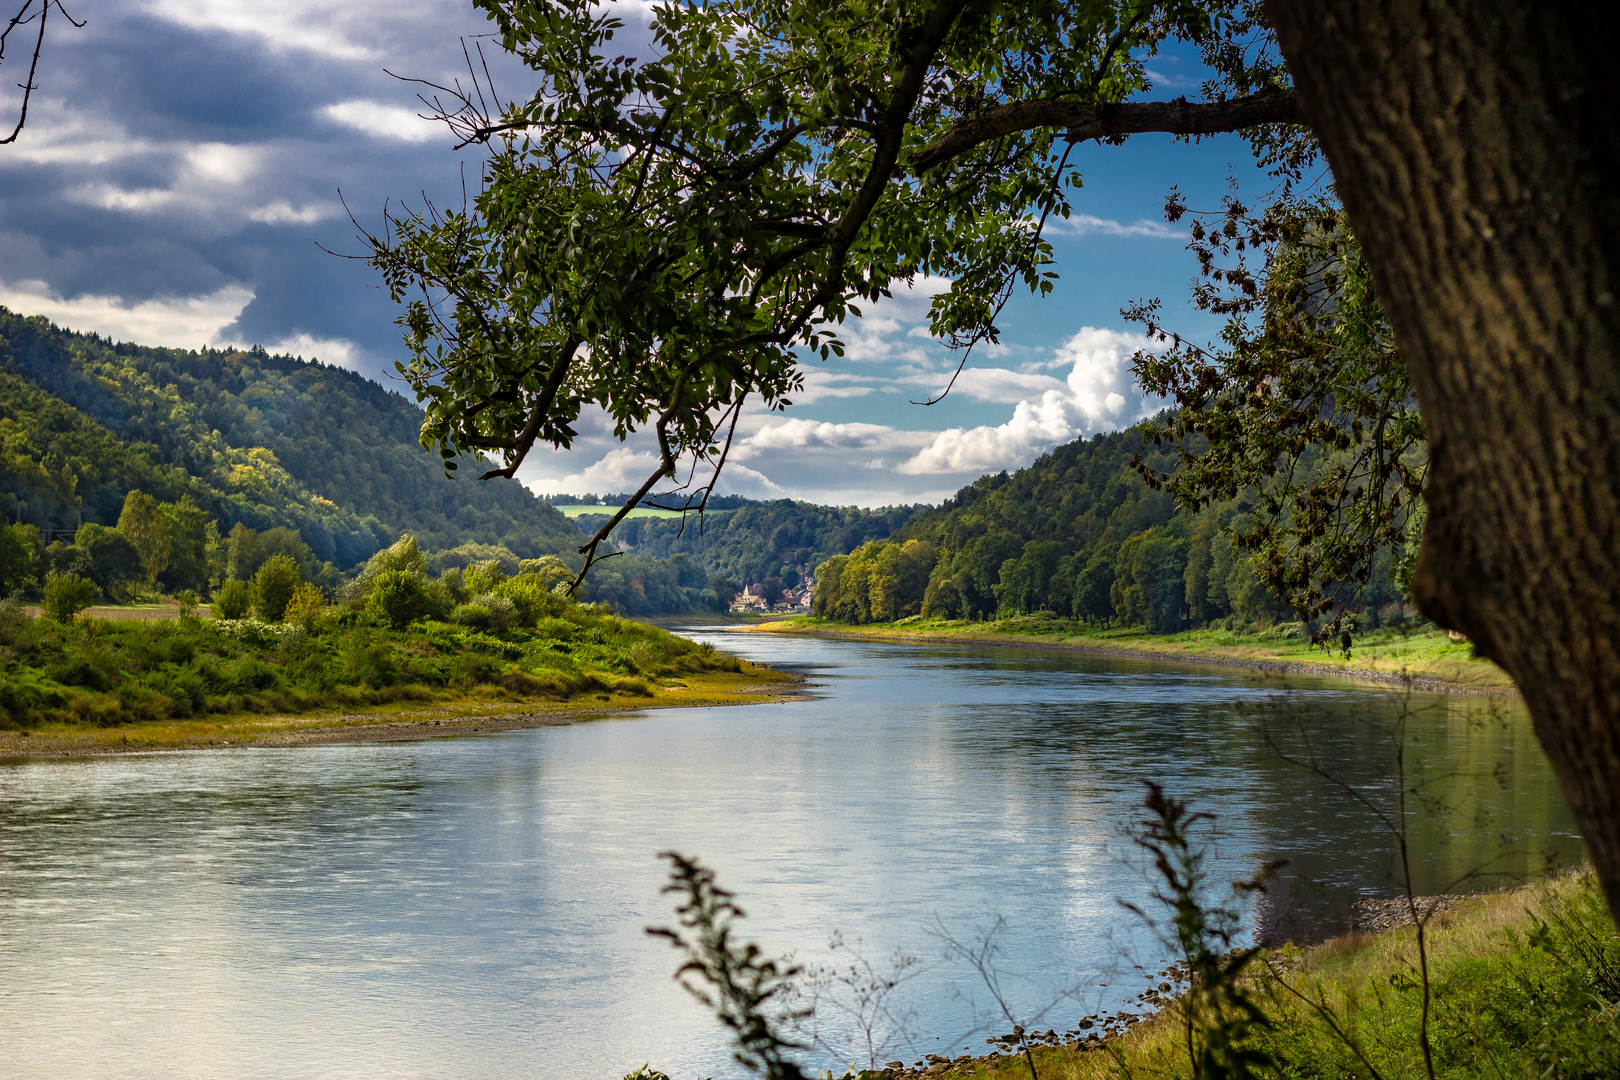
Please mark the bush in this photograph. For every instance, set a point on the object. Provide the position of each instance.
(475, 616)
(503, 614)
(397, 597)
(14, 620)
(306, 603)
(66, 595)
(274, 585)
(233, 600)
(186, 601)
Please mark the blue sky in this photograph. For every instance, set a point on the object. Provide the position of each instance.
(181, 171)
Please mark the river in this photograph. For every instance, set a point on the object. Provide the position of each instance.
(476, 906)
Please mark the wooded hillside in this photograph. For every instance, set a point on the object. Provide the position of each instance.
(266, 441)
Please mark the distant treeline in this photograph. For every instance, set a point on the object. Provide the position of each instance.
(1077, 534)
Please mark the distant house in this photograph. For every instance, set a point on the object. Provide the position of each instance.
(750, 600)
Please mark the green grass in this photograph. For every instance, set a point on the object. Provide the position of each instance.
(1524, 984)
(1425, 653)
(103, 674)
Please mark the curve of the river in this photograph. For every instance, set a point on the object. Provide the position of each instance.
(475, 907)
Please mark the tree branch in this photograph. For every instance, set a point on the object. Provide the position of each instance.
(1101, 119)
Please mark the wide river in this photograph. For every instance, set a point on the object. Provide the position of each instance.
(476, 906)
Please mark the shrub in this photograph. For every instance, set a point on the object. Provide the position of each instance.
(397, 597)
(66, 595)
(274, 585)
(532, 599)
(186, 601)
(403, 556)
(306, 603)
(503, 614)
(484, 576)
(475, 616)
(233, 600)
(14, 620)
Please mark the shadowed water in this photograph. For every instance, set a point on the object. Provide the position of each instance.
(475, 907)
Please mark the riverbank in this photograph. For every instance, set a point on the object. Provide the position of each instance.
(423, 715)
(1523, 982)
(1424, 660)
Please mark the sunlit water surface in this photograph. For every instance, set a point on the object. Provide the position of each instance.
(475, 907)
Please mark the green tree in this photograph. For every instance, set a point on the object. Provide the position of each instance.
(397, 597)
(18, 559)
(143, 521)
(233, 600)
(1093, 587)
(1024, 581)
(114, 562)
(274, 586)
(243, 557)
(187, 528)
(66, 595)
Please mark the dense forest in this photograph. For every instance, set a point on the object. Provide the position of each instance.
(1077, 534)
(264, 441)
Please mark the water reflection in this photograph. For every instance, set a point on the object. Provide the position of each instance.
(475, 907)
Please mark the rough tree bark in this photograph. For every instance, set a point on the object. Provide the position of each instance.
(1477, 149)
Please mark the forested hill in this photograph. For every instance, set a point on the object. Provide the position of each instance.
(753, 543)
(1077, 534)
(253, 438)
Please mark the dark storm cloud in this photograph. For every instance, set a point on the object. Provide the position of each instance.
(184, 151)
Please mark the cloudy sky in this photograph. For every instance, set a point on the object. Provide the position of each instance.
(182, 167)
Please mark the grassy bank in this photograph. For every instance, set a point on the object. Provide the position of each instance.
(1386, 654)
(99, 684)
(1523, 984)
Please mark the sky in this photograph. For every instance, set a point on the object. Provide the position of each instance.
(186, 162)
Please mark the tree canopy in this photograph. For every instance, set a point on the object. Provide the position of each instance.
(663, 237)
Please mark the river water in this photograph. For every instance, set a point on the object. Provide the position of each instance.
(476, 906)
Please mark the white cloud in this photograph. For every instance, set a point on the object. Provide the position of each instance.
(1002, 386)
(282, 212)
(801, 434)
(1099, 394)
(176, 322)
(382, 121)
(1087, 225)
(313, 25)
(221, 163)
(339, 351)
(626, 469)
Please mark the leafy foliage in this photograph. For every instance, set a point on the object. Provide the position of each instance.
(233, 600)
(1306, 406)
(273, 587)
(66, 595)
(658, 240)
(745, 989)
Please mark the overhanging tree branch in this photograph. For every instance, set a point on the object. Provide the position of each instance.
(1104, 119)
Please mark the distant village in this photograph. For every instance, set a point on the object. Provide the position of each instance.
(770, 597)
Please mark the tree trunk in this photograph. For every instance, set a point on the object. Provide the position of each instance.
(1476, 147)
